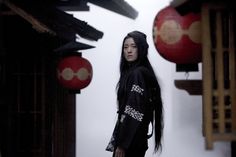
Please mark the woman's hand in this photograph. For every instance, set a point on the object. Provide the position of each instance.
(120, 152)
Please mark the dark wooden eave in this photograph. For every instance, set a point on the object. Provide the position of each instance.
(36, 24)
(184, 7)
(72, 47)
(118, 6)
(55, 22)
(71, 5)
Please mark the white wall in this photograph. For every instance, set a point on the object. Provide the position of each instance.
(96, 105)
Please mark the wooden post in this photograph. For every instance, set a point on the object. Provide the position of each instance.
(207, 77)
(220, 72)
(232, 67)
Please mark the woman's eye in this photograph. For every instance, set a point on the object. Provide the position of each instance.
(133, 45)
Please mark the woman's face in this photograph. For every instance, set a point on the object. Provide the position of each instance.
(130, 50)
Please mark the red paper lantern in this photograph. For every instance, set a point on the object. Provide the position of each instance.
(74, 72)
(178, 38)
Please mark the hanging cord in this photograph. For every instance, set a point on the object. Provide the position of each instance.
(187, 75)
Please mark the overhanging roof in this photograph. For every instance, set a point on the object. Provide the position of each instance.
(55, 22)
(118, 6)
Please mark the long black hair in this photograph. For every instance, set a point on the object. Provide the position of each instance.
(142, 60)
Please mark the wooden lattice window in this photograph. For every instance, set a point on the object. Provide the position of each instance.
(37, 115)
(219, 93)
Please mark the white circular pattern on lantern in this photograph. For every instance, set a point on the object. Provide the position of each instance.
(82, 74)
(170, 32)
(155, 33)
(67, 74)
(194, 32)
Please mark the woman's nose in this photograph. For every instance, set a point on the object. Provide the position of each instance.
(129, 49)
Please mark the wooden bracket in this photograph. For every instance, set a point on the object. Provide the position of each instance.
(193, 87)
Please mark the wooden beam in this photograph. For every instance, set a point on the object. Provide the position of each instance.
(37, 25)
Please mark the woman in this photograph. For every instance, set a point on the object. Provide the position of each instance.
(139, 100)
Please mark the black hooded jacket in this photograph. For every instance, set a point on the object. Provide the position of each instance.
(135, 110)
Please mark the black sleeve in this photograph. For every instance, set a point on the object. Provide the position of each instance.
(133, 113)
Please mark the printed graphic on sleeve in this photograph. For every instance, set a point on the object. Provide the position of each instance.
(133, 113)
(137, 88)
